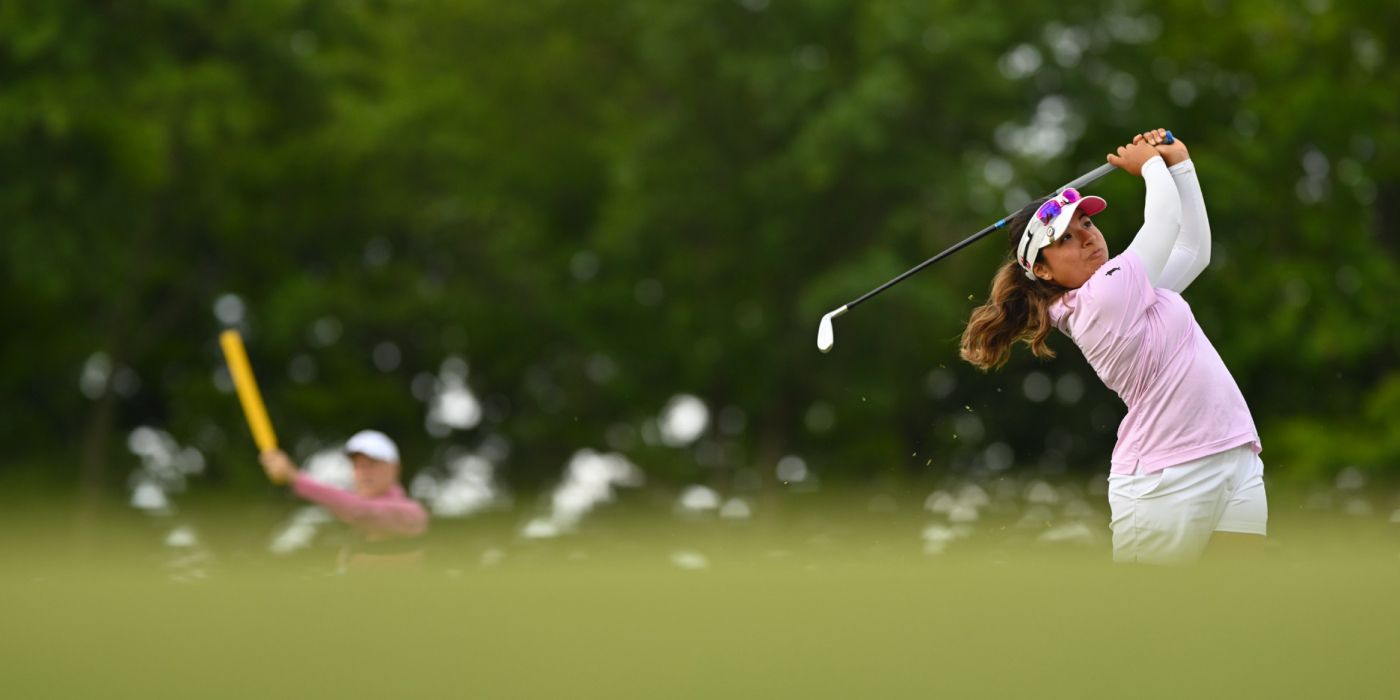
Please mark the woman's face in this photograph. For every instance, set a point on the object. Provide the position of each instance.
(374, 477)
(1074, 256)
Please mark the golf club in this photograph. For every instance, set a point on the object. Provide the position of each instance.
(826, 337)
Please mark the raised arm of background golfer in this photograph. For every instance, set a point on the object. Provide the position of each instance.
(378, 508)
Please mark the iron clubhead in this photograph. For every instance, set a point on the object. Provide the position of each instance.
(826, 337)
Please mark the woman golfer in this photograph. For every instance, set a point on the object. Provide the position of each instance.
(1186, 470)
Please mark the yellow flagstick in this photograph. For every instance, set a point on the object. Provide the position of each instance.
(247, 386)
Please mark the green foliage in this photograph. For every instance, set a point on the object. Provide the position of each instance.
(443, 175)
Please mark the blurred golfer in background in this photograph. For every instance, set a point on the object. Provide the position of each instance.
(385, 523)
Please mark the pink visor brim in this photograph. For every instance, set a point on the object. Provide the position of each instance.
(1092, 205)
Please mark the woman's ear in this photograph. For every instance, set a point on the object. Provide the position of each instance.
(1043, 272)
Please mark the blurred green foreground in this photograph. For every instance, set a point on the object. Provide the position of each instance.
(815, 596)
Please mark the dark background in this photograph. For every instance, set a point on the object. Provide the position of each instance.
(599, 205)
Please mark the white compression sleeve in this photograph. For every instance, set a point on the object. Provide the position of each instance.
(1191, 254)
(1161, 219)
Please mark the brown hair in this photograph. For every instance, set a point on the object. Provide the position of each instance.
(1017, 309)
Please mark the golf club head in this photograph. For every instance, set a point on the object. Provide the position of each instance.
(826, 337)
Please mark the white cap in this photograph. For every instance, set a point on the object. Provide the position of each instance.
(373, 444)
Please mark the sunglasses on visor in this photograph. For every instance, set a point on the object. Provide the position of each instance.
(1051, 209)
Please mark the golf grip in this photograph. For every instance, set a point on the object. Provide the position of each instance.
(247, 386)
(1076, 183)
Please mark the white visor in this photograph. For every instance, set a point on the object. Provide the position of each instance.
(1039, 234)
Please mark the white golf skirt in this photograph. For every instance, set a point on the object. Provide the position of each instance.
(1167, 517)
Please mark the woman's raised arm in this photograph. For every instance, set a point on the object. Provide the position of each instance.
(1191, 253)
(1161, 220)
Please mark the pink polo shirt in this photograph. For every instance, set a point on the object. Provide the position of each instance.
(390, 515)
(1145, 344)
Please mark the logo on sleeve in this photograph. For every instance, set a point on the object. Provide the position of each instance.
(1110, 272)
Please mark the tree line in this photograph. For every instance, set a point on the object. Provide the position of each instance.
(599, 205)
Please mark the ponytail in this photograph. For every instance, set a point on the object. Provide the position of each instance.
(1017, 309)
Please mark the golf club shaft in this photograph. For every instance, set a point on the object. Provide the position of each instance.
(1076, 183)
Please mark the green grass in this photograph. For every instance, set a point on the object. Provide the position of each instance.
(815, 597)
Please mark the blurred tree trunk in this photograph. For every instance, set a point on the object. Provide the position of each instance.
(1387, 216)
(129, 339)
(97, 436)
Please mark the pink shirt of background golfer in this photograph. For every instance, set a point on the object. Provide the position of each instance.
(378, 509)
